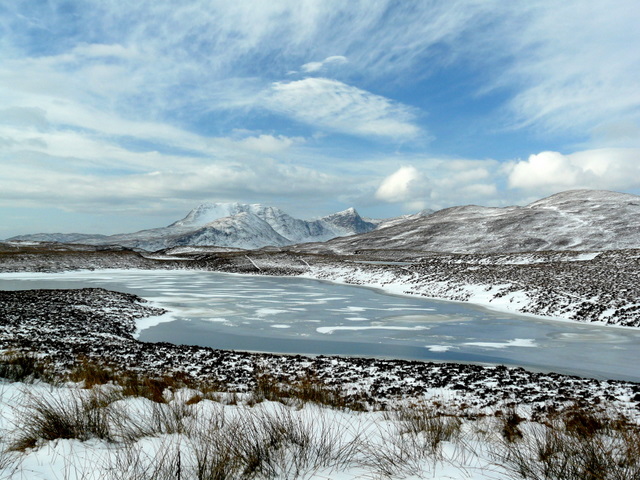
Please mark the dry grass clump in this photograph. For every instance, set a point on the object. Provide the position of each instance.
(426, 422)
(250, 443)
(18, 366)
(51, 417)
(510, 422)
(133, 384)
(413, 441)
(308, 388)
(90, 373)
(579, 443)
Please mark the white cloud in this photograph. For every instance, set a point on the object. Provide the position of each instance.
(571, 63)
(330, 104)
(611, 168)
(101, 50)
(269, 144)
(547, 170)
(420, 182)
(568, 65)
(406, 185)
(316, 66)
(35, 181)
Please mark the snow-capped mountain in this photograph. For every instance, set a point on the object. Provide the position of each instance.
(234, 225)
(245, 229)
(573, 220)
(292, 230)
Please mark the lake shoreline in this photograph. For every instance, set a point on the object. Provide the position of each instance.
(380, 381)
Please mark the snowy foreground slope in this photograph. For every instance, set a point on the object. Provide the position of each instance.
(578, 220)
(195, 435)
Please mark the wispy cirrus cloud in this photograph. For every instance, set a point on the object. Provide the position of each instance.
(571, 66)
(317, 66)
(566, 66)
(336, 106)
(134, 101)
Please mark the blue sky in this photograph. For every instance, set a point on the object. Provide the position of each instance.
(118, 115)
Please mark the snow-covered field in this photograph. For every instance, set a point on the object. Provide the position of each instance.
(180, 439)
(66, 432)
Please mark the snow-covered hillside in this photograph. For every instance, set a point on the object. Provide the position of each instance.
(260, 220)
(586, 220)
(234, 225)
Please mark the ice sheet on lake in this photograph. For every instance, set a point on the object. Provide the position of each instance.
(374, 327)
(516, 342)
(439, 348)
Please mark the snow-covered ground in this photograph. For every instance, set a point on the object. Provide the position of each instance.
(150, 440)
(66, 432)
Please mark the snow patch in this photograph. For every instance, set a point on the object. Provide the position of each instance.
(386, 327)
(516, 342)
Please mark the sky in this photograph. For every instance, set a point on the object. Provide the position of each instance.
(117, 115)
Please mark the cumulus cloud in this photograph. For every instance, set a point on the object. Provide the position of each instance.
(406, 185)
(333, 105)
(545, 169)
(316, 66)
(610, 168)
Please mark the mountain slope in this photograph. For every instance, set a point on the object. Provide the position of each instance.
(244, 229)
(573, 220)
(227, 225)
(57, 237)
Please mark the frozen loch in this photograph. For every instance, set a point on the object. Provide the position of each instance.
(295, 315)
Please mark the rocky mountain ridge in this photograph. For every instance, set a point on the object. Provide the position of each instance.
(580, 220)
(237, 225)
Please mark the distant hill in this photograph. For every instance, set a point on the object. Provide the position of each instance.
(573, 220)
(234, 225)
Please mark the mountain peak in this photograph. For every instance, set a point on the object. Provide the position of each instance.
(349, 212)
(209, 212)
(238, 225)
(348, 222)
